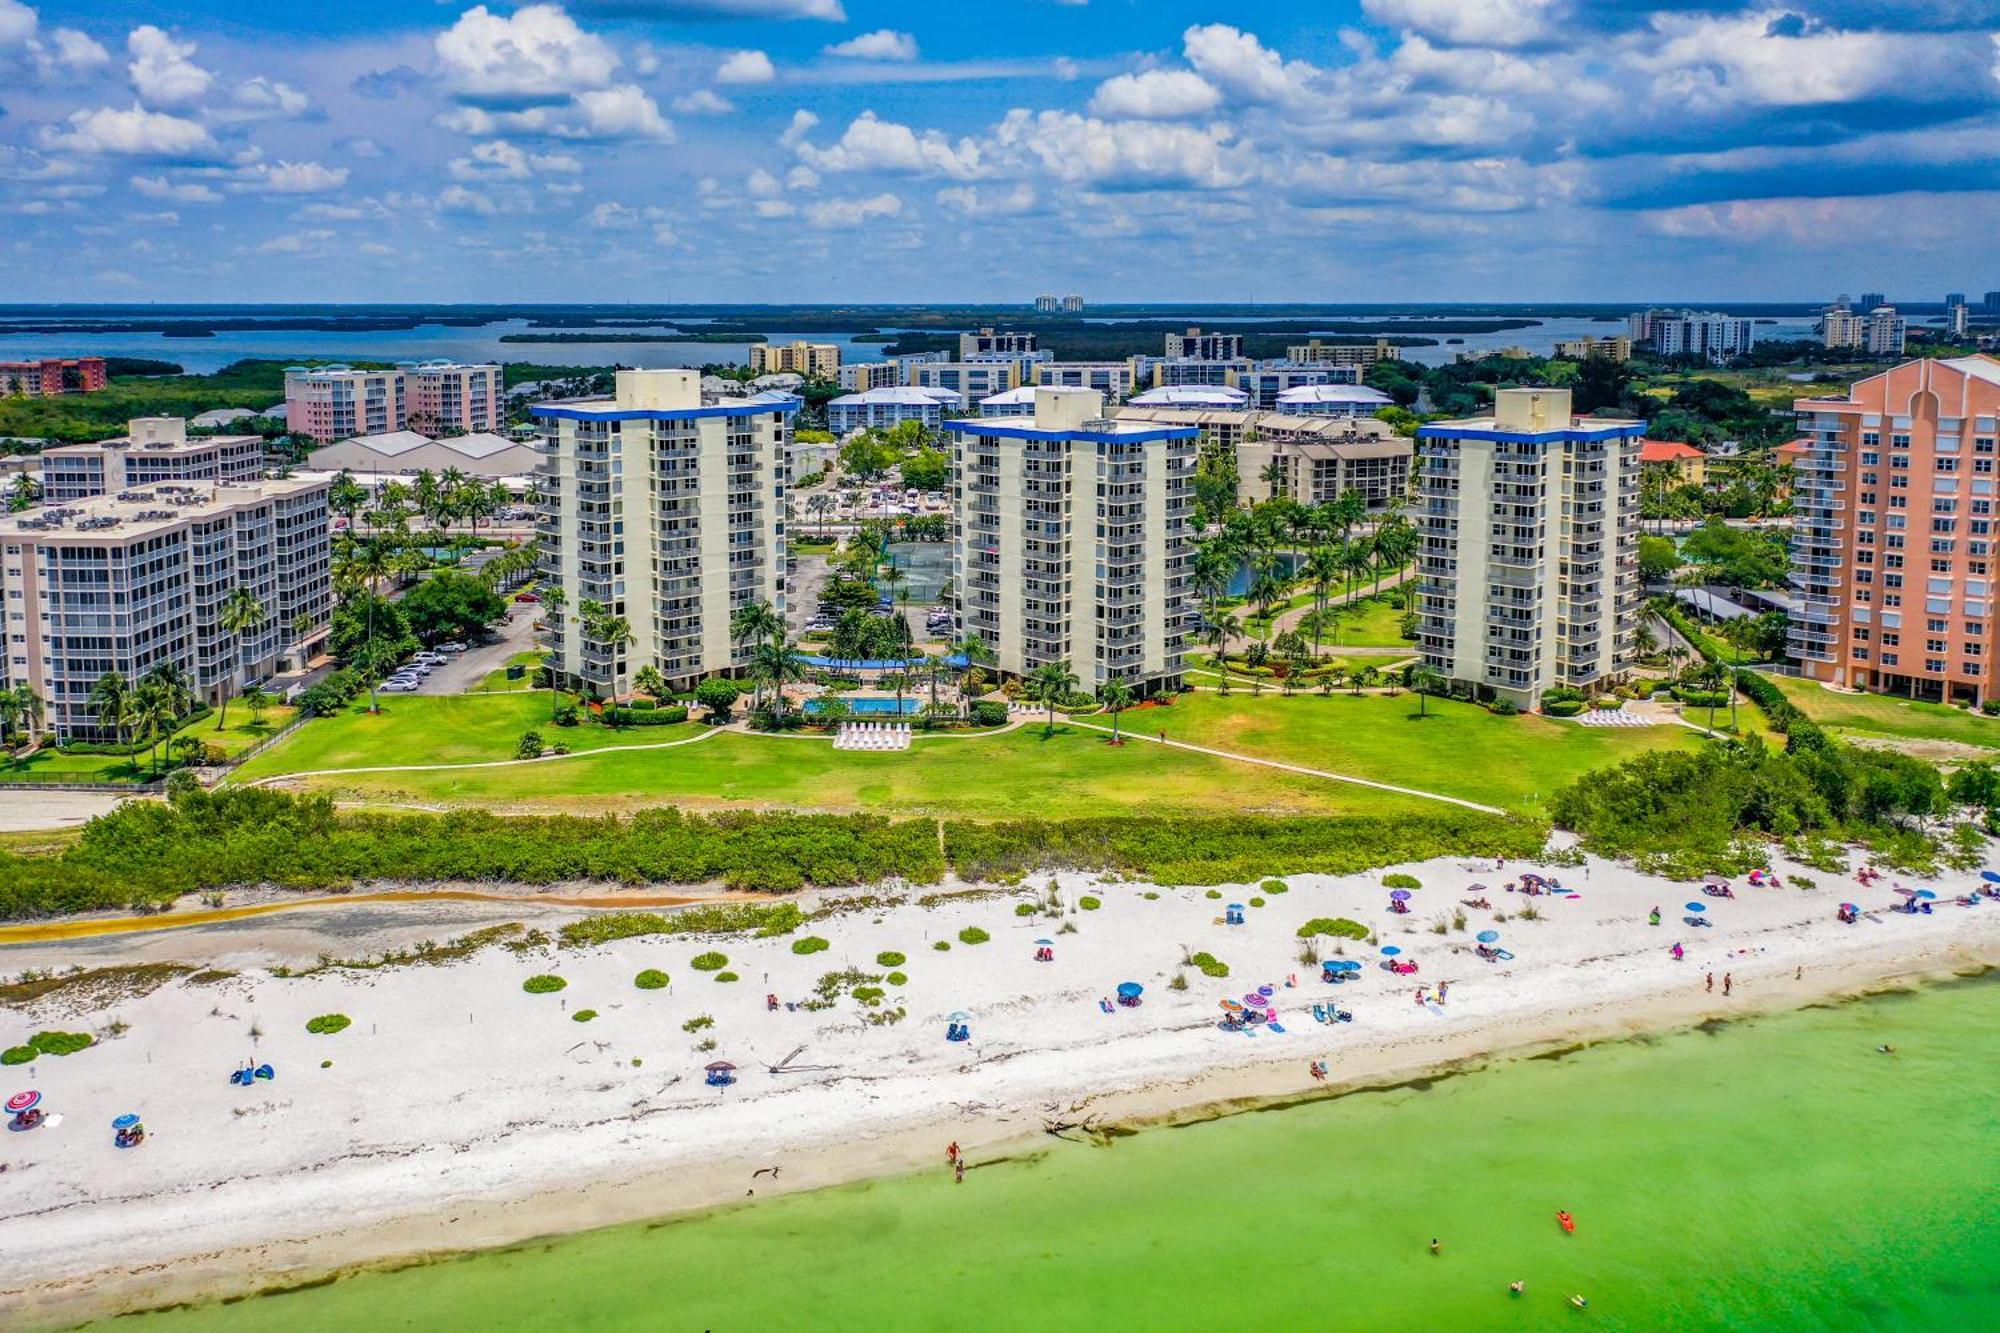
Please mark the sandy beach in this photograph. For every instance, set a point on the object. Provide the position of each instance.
(459, 1111)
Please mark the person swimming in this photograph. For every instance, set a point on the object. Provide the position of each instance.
(1517, 1286)
(1437, 1246)
(1578, 1301)
(1886, 1049)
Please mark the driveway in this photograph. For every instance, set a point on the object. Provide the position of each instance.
(466, 670)
(802, 589)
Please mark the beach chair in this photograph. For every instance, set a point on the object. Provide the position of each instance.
(1319, 1013)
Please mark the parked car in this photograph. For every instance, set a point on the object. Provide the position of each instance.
(453, 647)
(396, 686)
(526, 597)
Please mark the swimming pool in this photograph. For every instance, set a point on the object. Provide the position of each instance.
(871, 707)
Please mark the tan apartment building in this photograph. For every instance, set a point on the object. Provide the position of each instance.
(1317, 353)
(1316, 457)
(1615, 348)
(665, 509)
(128, 581)
(1529, 558)
(813, 360)
(1072, 539)
(1893, 546)
(153, 450)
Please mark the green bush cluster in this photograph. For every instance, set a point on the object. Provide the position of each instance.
(1089, 904)
(545, 983)
(897, 979)
(328, 1024)
(649, 716)
(47, 1043)
(765, 919)
(727, 976)
(583, 1015)
(1275, 886)
(811, 944)
(973, 935)
(1398, 880)
(18, 1055)
(1209, 965)
(890, 958)
(651, 979)
(1339, 927)
(709, 962)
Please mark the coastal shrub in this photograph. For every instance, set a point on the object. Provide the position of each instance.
(811, 944)
(1401, 881)
(973, 935)
(709, 962)
(328, 1024)
(1275, 886)
(1339, 927)
(1025, 909)
(890, 958)
(60, 1043)
(727, 976)
(1151, 895)
(1563, 708)
(897, 979)
(869, 994)
(1213, 893)
(583, 1015)
(942, 946)
(1256, 902)
(1179, 982)
(530, 746)
(1209, 965)
(698, 1022)
(989, 713)
(1089, 904)
(766, 920)
(651, 979)
(18, 1055)
(544, 984)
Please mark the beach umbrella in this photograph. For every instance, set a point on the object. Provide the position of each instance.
(1390, 950)
(1400, 895)
(1697, 907)
(1487, 936)
(1907, 893)
(1719, 881)
(24, 1101)
(1475, 888)
(719, 1067)
(126, 1121)
(1130, 988)
(1233, 1006)
(1236, 907)
(1925, 893)
(1253, 1000)
(958, 1016)
(1849, 907)
(1267, 990)
(1991, 877)
(1046, 944)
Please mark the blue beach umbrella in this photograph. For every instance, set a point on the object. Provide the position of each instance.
(1236, 907)
(1350, 966)
(1130, 988)
(1925, 893)
(125, 1121)
(1390, 950)
(1697, 907)
(1045, 943)
(1400, 895)
(1990, 877)
(1487, 936)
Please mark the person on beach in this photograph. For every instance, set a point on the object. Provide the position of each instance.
(1443, 987)
(1677, 951)
(1653, 917)
(1711, 982)
(1727, 980)
(958, 1176)
(1420, 996)
(951, 1153)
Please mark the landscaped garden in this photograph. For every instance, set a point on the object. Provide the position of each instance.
(246, 728)
(1887, 717)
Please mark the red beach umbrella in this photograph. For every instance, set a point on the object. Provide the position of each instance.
(23, 1101)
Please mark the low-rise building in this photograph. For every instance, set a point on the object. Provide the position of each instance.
(861, 376)
(1013, 403)
(1320, 353)
(1194, 345)
(1173, 372)
(814, 360)
(1116, 380)
(1265, 381)
(665, 509)
(1071, 540)
(154, 449)
(881, 409)
(407, 452)
(1345, 453)
(443, 397)
(128, 581)
(974, 379)
(51, 377)
(1528, 562)
(992, 342)
(1193, 396)
(1616, 347)
(1332, 400)
(334, 402)
(1680, 464)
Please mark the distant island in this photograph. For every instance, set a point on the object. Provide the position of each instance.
(704, 337)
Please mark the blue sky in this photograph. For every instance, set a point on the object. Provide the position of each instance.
(874, 150)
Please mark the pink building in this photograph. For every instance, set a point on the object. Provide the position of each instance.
(338, 402)
(1894, 545)
(52, 376)
(447, 398)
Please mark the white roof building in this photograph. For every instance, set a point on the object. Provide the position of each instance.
(1012, 403)
(1192, 395)
(405, 451)
(1332, 400)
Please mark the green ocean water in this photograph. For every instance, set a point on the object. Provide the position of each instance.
(1773, 1174)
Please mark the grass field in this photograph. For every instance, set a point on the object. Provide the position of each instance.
(238, 736)
(1887, 717)
(1373, 623)
(1459, 750)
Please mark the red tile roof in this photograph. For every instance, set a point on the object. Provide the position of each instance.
(1666, 451)
(1794, 449)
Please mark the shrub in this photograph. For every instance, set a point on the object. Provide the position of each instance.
(1256, 902)
(727, 976)
(1089, 904)
(583, 1015)
(942, 946)
(544, 984)
(1401, 881)
(1339, 927)
(1275, 886)
(530, 746)
(1213, 893)
(1563, 708)
(18, 1055)
(890, 958)
(1504, 708)
(327, 1024)
(810, 944)
(651, 979)
(897, 979)
(989, 713)
(709, 962)
(1703, 698)
(566, 715)
(60, 1043)
(698, 1022)
(1991, 708)
(1209, 965)
(1025, 909)
(869, 994)
(1607, 703)
(973, 935)
(1151, 895)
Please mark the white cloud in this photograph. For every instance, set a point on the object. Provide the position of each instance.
(161, 71)
(269, 98)
(841, 214)
(375, 248)
(458, 199)
(1244, 67)
(17, 23)
(1156, 94)
(665, 235)
(1128, 153)
(703, 102)
(623, 112)
(882, 44)
(1480, 23)
(566, 164)
(774, 208)
(802, 124)
(743, 67)
(990, 201)
(495, 159)
(164, 218)
(873, 144)
(333, 212)
(183, 192)
(135, 132)
(802, 178)
(763, 185)
(613, 217)
(295, 243)
(293, 178)
(538, 52)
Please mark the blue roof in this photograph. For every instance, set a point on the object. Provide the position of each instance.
(612, 412)
(1011, 428)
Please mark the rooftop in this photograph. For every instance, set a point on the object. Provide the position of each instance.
(141, 510)
(1667, 451)
(1335, 393)
(904, 394)
(1192, 395)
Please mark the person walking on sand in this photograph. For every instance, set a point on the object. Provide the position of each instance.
(1420, 996)
(1727, 981)
(958, 1176)
(951, 1153)
(1711, 982)
(1443, 987)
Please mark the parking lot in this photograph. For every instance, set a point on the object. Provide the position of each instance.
(462, 671)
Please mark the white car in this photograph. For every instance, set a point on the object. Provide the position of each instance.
(450, 648)
(399, 687)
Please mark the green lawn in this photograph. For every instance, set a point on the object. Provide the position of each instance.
(1372, 623)
(1458, 750)
(238, 736)
(436, 729)
(1004, 775)
(496, 679)
(1884, 715)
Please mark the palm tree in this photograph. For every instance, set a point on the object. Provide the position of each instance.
(1049, 684)
(23, 704)
(975, 652)
(347, 496)
(753, 624)
(242, 615)
(614, 633)
(154, 715)
(776, 662)
(107, 700)
(1116, 696)
(173, 678)
(554, 599)
(1221, 629)
(648, 680)
(893, 575)
(820, 505)
(1356, 559)
(1423, 681)
(1364, 677)
(1715, 677)
(899, 633)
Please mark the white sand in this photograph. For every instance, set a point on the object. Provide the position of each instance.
(460, 1110)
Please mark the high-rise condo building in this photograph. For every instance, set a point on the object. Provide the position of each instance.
(1869, 300)
(156, 449)
(1893, 543)
(861, 376)
(446, 398)
(1194, 345)
(668, 511)
(1317, 353)
(1071, 539)
(991, 342)
(331, 403)
(1711, 337)
(1072, 304)
(1047, 303)
(1529, 562)
(814, 360)
(126, 582)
